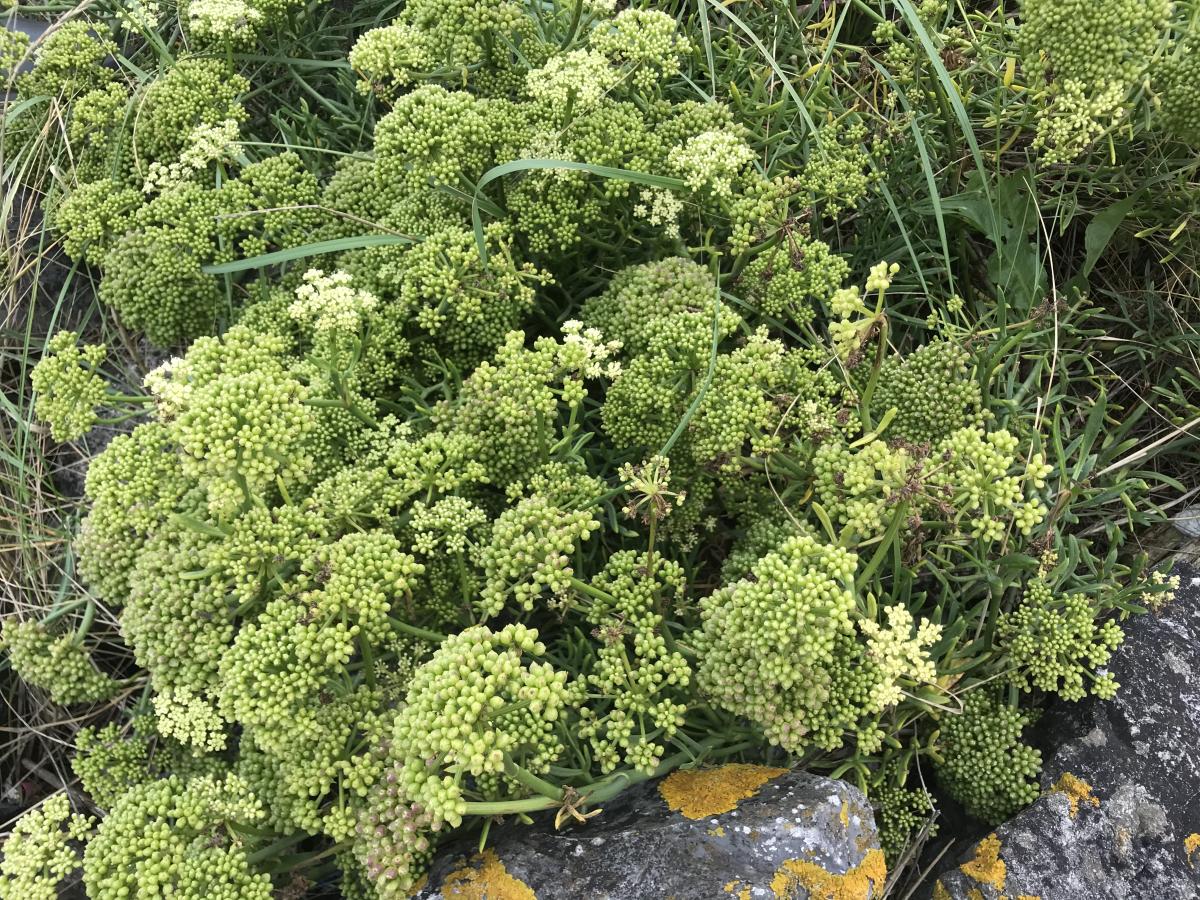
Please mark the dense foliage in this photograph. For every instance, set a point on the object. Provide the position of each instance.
(562, 395)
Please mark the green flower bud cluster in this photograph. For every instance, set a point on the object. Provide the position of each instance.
(1055, 641)
(58, 664)
(476, 714)
(152, 253)
(261, 543)
(758, 394)
(662, 306)
(144, 208)
(985, 767)
(177, 618)
(177, 838)
(13, 47)
(837, 174)
(153, 278)
(362, 577)
(509, 408)
(68, 63)
(640, 680)
(971, 481)
(42, 851)
(530, 553)
(900, 812)
(68, 386)
(193, 92)
(447, 525)
(93, 216)
(861, 487)
(739, 412)
(783, 281)
(463, 305)
(1092, 41)
(269, 204)
(433, 134)
(109, 762)
(244, 423)
(97, 126)
(1177, 81)
(763, 535)
(456, 40)
(933, 391)
(771, 646)
(473, 704)
(279, 664)
(132, 488)
(645, 43)
(1092, 53)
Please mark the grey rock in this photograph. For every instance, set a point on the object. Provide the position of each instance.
(797, 835)
(1188, 522)
(1120, 816)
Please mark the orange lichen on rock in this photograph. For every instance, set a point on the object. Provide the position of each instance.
(865, 879)
(485, 878)
(1191, 844)
(1076, 790)
(940, 892)
(987, 867)
(700, 793)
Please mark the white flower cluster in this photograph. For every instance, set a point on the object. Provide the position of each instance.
(586, 351)
(222, 21)
(899, 653)
(582, 77)
(711, 159)
(660, 207)
(139, 15)
(169, 385)
(330, 304)
(190, 719)
(205, 144)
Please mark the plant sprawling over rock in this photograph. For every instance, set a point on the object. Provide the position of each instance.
(543, 417)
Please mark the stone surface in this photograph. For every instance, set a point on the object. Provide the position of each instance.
(1120, 816)
(736, 831)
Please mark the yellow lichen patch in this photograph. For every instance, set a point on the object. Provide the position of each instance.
(419, 886)
(975, 894)
(485, 878)
(940, 892)
(860, 882)
(987, 867)
(1076, 790)
(700, 793)
(844, 814)
(719, 831)
(1191, 844)
(736, 887)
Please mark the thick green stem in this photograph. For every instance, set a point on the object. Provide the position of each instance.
(423, 633)
(584, 588)
(531, 781)
(606, 788)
